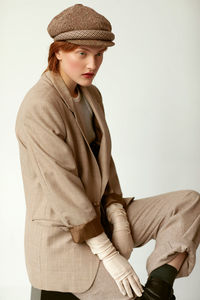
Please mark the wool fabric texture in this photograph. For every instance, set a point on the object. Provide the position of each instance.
(82, 25)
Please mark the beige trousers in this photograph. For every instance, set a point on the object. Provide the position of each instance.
(173, 220)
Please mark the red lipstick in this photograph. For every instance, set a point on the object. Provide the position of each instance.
(88, 75)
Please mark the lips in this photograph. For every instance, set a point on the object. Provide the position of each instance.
(88, 74)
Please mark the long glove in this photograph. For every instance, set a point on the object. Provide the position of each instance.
(121, 236)
(117, 266)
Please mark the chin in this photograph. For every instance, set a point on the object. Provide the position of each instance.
(85, 83)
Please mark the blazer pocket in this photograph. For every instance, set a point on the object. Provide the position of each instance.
(49, 223)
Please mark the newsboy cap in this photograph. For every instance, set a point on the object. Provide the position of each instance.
(82, 25)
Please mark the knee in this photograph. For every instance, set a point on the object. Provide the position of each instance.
(194, 198)
(194, 194)
(185, 200)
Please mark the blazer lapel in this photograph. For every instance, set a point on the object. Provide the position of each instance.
(105, 143)
(100, 123)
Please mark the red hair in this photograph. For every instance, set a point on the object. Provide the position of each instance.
(53, 62)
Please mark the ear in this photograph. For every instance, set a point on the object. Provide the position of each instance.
(58, 55)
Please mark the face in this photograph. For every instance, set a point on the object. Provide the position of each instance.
(84, 59)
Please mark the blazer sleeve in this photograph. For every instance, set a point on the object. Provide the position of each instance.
(113, 192)
(55, 165)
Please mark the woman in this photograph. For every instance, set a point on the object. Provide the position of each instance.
(80, 230)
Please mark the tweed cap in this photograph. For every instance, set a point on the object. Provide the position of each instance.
(82, 25)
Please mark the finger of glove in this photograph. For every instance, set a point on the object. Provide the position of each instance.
(136, 278)
(121, 288)
(135, 286)
(127, 287)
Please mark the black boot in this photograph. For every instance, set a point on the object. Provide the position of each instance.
(157, 289)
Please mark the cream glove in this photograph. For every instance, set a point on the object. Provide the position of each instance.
(121, 236)
(116, 265)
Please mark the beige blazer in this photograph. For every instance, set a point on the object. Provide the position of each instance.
(66, 187)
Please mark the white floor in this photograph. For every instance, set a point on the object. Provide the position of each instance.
(15, 293)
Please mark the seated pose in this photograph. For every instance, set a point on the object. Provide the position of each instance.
(79, 229)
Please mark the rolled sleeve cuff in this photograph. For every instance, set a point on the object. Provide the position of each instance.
(128, 200)
(82, 232)
(115, 198)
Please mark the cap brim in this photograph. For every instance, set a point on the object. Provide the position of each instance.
(92, 42)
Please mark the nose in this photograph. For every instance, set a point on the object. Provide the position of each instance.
(92, 64)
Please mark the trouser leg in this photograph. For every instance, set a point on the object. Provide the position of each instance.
(173, 220)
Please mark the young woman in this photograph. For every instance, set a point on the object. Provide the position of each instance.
(80, 230)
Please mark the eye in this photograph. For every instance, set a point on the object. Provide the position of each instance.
(81, 53)
(99, 53)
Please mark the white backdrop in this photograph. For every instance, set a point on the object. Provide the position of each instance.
(150, 86)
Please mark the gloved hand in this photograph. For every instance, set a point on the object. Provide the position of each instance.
(117, 266)
(121, 236)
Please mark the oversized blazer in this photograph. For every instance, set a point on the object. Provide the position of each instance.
(67, 187)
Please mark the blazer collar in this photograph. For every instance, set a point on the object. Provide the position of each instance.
(105, 140)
